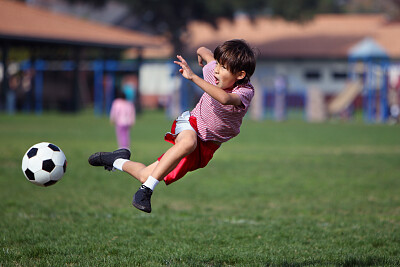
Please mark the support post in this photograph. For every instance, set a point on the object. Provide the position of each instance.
(75, 86)
(4, 84)
(138, 102)
(111, 67)
(98, 67)
(39, 67)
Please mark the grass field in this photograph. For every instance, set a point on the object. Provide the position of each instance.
(280, 194)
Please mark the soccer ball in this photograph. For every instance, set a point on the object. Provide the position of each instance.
(44, 164)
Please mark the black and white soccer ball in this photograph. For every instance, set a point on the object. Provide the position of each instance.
(44, 164)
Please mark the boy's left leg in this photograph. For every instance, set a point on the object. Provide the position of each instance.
(185, 143)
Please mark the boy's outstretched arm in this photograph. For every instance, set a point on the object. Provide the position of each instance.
(217, 93)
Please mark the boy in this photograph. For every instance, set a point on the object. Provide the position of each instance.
(196, 135)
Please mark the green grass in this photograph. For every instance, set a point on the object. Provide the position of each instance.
(280, 194)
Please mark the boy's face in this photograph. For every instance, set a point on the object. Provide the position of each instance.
(224, 78)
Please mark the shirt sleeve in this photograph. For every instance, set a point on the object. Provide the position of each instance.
(246, 95)
(208, 72)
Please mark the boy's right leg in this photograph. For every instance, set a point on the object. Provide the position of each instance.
(136, 169)
(185, 143)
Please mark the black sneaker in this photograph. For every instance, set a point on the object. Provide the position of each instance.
(141, 200)
(107, 159)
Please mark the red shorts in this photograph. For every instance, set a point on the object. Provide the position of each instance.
(199, 158)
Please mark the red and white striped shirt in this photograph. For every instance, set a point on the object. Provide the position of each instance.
(217, 122)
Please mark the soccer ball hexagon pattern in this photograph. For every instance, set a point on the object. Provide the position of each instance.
(44, 164)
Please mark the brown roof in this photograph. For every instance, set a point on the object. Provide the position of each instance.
(19, 21)
(326, 36)
(389, 37)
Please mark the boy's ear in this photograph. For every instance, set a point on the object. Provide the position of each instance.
(240, 75)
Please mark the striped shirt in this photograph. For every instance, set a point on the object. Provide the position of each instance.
(217, 122)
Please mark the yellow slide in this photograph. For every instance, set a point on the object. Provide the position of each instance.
(344, 98)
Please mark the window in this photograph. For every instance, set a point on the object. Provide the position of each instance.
(312, 75)
(338, 75)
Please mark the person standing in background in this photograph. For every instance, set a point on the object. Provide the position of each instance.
(123, 116)
(129, 87)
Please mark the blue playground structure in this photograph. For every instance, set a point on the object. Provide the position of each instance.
(369, 63)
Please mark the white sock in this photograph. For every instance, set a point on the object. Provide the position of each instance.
(151, 182)
(118, 163)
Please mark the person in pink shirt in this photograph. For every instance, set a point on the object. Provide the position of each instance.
(195, 135)
(123, 116)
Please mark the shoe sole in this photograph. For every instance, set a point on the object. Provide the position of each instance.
(93, 159)
(140, 207)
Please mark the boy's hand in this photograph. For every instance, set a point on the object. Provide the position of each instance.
(185, 70)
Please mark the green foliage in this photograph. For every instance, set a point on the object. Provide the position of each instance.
(172, 17)
(280, 194)
(305, 9)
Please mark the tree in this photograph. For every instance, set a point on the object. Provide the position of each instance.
(170, 18)
(389, 7)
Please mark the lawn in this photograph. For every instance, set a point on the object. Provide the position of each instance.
(279, 194)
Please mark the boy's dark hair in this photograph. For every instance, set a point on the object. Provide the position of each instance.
(236, 55)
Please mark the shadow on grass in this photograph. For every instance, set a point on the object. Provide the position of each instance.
(350, 261)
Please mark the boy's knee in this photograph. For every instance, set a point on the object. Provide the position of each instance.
(188, 144)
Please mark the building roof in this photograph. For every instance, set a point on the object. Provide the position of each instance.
(326, 36)
(21, 22)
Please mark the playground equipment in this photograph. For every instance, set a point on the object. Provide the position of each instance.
(315, 105)
(369, 65)
(345, 98)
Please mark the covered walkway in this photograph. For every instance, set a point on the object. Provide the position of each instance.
(40, 41)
